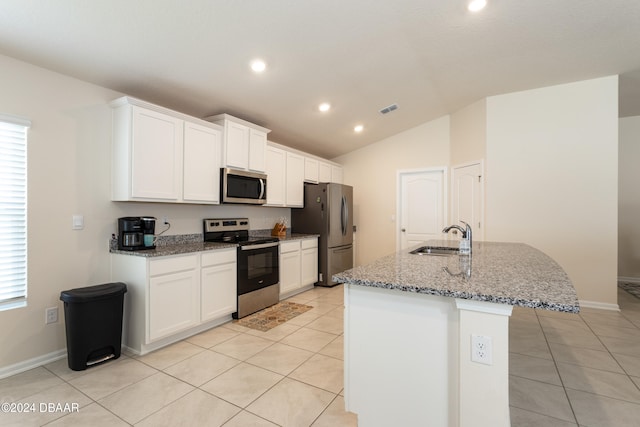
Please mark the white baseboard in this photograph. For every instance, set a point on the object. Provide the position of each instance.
(635, 280)
(599, 305)
(7, 371)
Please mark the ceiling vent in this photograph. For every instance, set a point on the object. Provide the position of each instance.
(389, 109)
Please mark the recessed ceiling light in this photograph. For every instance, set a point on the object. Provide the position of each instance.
(476, 5)
(324, 107)
(258, 65)
(358, 128)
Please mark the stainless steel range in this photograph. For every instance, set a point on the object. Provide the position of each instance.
(258, 270)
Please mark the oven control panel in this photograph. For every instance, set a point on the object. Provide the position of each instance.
(226, 224)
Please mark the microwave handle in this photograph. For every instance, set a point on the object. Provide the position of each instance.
(261, 188)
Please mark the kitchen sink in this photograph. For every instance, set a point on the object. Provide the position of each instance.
(435, 250)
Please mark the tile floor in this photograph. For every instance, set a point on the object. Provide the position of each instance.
(566, 370)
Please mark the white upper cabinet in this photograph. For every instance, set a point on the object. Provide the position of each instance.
(311, 170)
(336, 174)
(276, 176)
(159, 155)
(295, 180)
(201, 177)
(243, 143)
(324, 172)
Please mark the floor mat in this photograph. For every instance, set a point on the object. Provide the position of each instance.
(273, 316)
(632, 288)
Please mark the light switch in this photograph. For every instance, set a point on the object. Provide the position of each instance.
(77, 222)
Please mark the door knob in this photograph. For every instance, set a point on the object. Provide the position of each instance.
(403, 230)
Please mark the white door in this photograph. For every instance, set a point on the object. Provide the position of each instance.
(466, 197)
(421, 206)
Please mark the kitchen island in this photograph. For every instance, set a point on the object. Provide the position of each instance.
(413, 323)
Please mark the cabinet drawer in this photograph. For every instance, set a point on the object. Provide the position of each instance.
(172, 265)
(289, 246)
(223, 256)
(309, 243)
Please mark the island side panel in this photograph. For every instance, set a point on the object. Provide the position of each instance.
(484, 388)
(401, 357)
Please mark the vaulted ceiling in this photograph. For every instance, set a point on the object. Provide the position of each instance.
(430, 57)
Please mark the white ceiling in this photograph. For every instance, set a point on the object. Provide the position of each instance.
(431, 57)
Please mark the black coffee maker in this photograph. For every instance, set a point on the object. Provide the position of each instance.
(132, 231)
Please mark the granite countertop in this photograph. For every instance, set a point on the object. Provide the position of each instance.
(507, 273)
(184, 244)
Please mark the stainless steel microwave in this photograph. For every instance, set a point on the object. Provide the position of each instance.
(238, 186)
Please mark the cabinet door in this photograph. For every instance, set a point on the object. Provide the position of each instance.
(236, 146)
(295, 180)
(173, 303)
(276, 175)
(309, 263)
(311, 170)
(257, 150)
(156, 157)
(336, 174)
(201, 164)
(289, 271)
(219, 293)
(324, 172)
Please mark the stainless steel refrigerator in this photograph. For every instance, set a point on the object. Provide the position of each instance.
(328, 211)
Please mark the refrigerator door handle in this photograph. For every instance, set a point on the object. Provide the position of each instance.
(343, 213)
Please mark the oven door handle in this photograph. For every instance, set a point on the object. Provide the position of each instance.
(259, 246)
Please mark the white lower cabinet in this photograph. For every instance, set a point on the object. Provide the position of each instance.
(173, 303)
(218, 284)
(298, 265)
(170, 298)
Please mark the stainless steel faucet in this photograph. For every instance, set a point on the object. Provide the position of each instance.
(466, 232)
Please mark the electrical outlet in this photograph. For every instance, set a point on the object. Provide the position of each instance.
(481, 349)
(165, 220)
(51, 315)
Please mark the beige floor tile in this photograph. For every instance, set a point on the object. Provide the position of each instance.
(236, 327)
(571, 339)
(523, 312)
(622, 346)
(557, 314)
(609, 320)
(242, 384)
(531, 345)
(320, 307)
(90, 415)
(215, 336)
(291, 403)
(202, 367)
(610, 384)
(522, 418)
(321, 371)
(305, 318)
(247, 419)
(630, 364)
(552, 324)
(62, 394)
(242, 346)
(327, 324)
(280, 358)
(335, 348)
(594, 410)
(61, 368)
(194, 409)
(335, 415)
(143, 398)
(167, 356)
(309, 339)
(617, 332)
(338, 313)
(595, 359)
(277, 333)
(534, 368)
(112, 377)
(539, 397)
(26, 384)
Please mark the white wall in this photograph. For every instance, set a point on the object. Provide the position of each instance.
(372, 172)
(552, 177)
(469, 133)
(629, 200)
(69, 173)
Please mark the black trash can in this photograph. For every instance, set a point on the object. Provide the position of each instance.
(93, 322)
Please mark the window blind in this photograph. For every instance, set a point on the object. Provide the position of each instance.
(13, 212)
